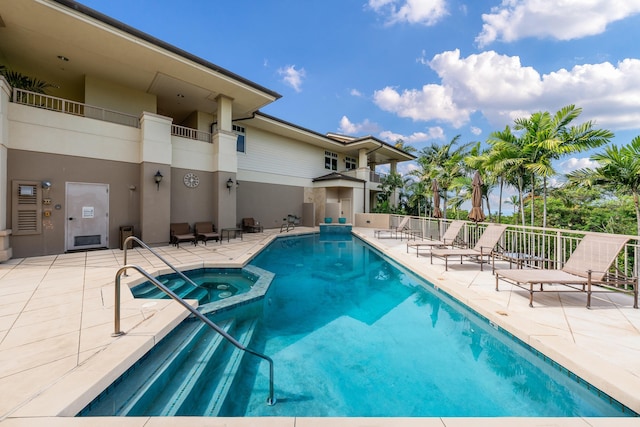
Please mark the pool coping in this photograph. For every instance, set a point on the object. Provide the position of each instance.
(55, 403)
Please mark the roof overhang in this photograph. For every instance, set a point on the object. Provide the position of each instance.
(37, 32)
(378, 152)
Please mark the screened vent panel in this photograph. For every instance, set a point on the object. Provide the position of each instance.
(26, 208)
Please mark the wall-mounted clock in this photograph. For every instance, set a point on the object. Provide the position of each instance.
(191, 180)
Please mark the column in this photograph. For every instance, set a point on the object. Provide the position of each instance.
(5, 244)
(226, 165)
(155, 199)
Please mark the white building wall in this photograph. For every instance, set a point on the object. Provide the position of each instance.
(286, 161)
(35, 129)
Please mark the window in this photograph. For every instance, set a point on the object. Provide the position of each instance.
(330, 161)
(350, 163)
(241, 145)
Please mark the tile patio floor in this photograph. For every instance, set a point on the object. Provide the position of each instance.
(56, 320)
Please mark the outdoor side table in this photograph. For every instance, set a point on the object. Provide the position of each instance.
(236, 232)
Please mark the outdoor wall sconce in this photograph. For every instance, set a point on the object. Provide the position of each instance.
(229, 185)
(158, 178)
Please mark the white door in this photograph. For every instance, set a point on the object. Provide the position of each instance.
(345, 209)
(87, 216)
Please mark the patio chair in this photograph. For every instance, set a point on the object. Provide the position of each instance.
(250, 225)
(483, 248)
(449, 238)
(181, 232)
(206, 231)
(400, 228)
(588, 265)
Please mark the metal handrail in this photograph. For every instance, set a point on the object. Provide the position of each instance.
(271, 400)
(144, 245)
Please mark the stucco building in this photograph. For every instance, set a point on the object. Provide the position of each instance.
(139, 133)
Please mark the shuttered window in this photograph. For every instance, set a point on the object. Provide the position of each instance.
(27, 208)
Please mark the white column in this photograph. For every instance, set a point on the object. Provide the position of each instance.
(225, 158)
(155, 200)
(5, 93)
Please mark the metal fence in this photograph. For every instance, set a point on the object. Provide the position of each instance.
(535, 247)
(66, 106)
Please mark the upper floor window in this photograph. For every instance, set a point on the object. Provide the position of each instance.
(241, 145)
(330, 161)
(350, 163)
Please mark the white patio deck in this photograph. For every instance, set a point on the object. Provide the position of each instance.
(56, 320)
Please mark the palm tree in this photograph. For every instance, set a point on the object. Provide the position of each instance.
(508, 160)
(618, 170)
(513, 200)
(443, 163)
(547, 138)
(400, 144)
(21, 81)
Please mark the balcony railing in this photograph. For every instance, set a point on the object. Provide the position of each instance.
(186, 132)
(373, 176)
(535, 246)
(61, 105)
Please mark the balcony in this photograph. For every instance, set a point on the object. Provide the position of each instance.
(65, 106)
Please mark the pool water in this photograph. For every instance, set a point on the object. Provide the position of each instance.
(351, 334)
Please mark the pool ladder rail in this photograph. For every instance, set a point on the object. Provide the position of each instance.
(271, 400)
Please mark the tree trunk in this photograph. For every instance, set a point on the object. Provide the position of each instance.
(533, 197)
(500, 203)
(636, 204)
(520, 195)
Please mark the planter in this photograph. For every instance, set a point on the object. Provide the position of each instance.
(328, 220)
(342, 220)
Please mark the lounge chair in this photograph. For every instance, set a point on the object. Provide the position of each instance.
(206, 231)
(449, 238)
(249, 225)
(588, 265)
(181, 232)
(393, 231)
(483, 247)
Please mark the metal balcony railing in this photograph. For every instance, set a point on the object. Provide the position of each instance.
(66, 106)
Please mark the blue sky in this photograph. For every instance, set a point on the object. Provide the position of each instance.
(420, 70)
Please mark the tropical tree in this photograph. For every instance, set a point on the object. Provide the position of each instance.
(443, 163)
(21, 81)
(618, 171)
(401, 145)
(546, 138)
(508, 161)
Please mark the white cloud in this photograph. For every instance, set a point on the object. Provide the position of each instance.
(292, 77)
(355, 92)
(416, 137)
(502, 89)
(425, 12)
(574, 163)
(475, 130)
(357, 129)
(432, 102)
(562, 20)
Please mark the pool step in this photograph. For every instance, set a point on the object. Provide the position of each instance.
(157, 390)
(178, 285)
(232, 368)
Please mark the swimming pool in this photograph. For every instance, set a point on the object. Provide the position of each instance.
(353, 334)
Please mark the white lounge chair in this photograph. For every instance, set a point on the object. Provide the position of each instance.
(483, 247)
(588, 265)
(448, 239)
(393, 231)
